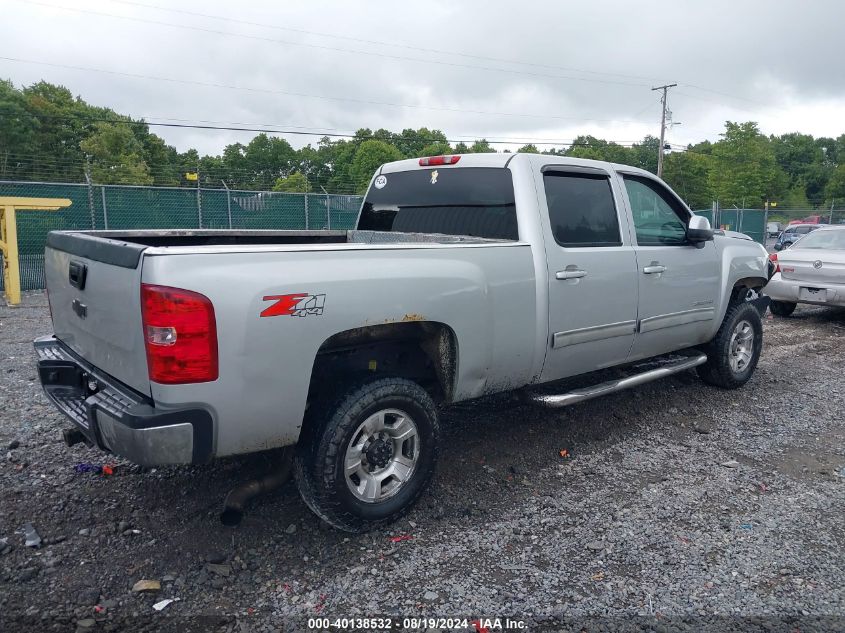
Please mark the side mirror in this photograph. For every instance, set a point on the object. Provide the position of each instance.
(698, 229)
(778, 246)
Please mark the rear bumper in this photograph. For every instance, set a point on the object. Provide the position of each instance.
(789, 290)
(116, 418)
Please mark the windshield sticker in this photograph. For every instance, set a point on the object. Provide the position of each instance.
(434, 177)
(381, 182)
(299, 305)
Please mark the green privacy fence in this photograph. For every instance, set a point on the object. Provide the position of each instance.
(119, 207)
(752, 222)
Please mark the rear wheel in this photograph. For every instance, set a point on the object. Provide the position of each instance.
(782, 308)
(368, 453)
(733, 353)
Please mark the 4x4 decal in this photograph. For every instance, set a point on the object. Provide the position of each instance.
(300, 304)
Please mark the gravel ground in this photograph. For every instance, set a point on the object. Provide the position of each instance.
(679, 506)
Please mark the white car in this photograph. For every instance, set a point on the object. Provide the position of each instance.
(812, 271)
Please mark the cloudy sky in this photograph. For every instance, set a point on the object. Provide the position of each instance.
(525, 71)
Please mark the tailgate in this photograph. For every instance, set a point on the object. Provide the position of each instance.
(94, 287)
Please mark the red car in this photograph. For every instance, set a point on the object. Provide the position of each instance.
(810, 219)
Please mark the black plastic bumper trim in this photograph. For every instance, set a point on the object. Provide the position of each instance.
(65, 378)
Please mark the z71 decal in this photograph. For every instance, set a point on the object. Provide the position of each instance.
(300, 305)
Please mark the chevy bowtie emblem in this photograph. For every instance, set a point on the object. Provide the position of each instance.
(817, 264)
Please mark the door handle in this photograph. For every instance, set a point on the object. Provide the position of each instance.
(571, 273)
(654, 268)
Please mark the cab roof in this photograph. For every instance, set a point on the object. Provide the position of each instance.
(504, 160)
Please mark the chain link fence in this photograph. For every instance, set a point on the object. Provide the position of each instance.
(752, 222)
(124, 207)
(756, 222)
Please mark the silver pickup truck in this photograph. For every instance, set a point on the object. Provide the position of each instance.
(466, 276)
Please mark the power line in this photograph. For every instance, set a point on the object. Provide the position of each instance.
(301, 94)
(382, 43)
(377, 42)
(718, 92)
(329, 48)
(322, 133)
(423, 49)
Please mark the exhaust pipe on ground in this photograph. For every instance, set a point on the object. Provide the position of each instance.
(235, 503)
(72, 437)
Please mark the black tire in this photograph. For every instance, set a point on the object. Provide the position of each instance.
(717, 370)
(782, 308)
(332, 423)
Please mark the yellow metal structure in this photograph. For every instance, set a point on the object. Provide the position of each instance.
(9, 206)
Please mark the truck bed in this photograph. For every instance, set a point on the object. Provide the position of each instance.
(227, 237)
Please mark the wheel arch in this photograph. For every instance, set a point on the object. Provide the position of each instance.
(750, 282)
(423, 351)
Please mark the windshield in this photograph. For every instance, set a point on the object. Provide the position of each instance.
(834, 240)
(472, 201)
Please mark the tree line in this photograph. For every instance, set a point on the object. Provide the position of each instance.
(46, 133)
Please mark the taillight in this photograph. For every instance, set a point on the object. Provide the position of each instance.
(431, 161)
(774, 257)
(180, 334)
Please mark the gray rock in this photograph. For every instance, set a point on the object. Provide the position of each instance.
(215, 557)
(13, 445)
(218, 583)
(595, 546)
(27, 574)
(31, 535)
(704, 427)
(87, 623)
(430, 596)
(84, 532)
(731, 464)
(291, 529)
(219, 570)
(88, 597)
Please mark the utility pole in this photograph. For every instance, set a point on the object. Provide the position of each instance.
(199, 198)
(662, 127)
(90, 191)
(228, 202)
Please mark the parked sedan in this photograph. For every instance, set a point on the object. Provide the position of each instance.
(793, 233)
(812, 271)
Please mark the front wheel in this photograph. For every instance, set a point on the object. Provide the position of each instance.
(782, 308)
(368, 453)
(733, 353)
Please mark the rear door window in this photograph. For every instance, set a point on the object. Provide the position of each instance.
(471, 201)
(581, 209)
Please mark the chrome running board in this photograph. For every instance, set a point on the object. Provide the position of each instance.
(604, 388)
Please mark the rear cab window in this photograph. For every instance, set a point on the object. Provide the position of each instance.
(582, 212)
(470, 201)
